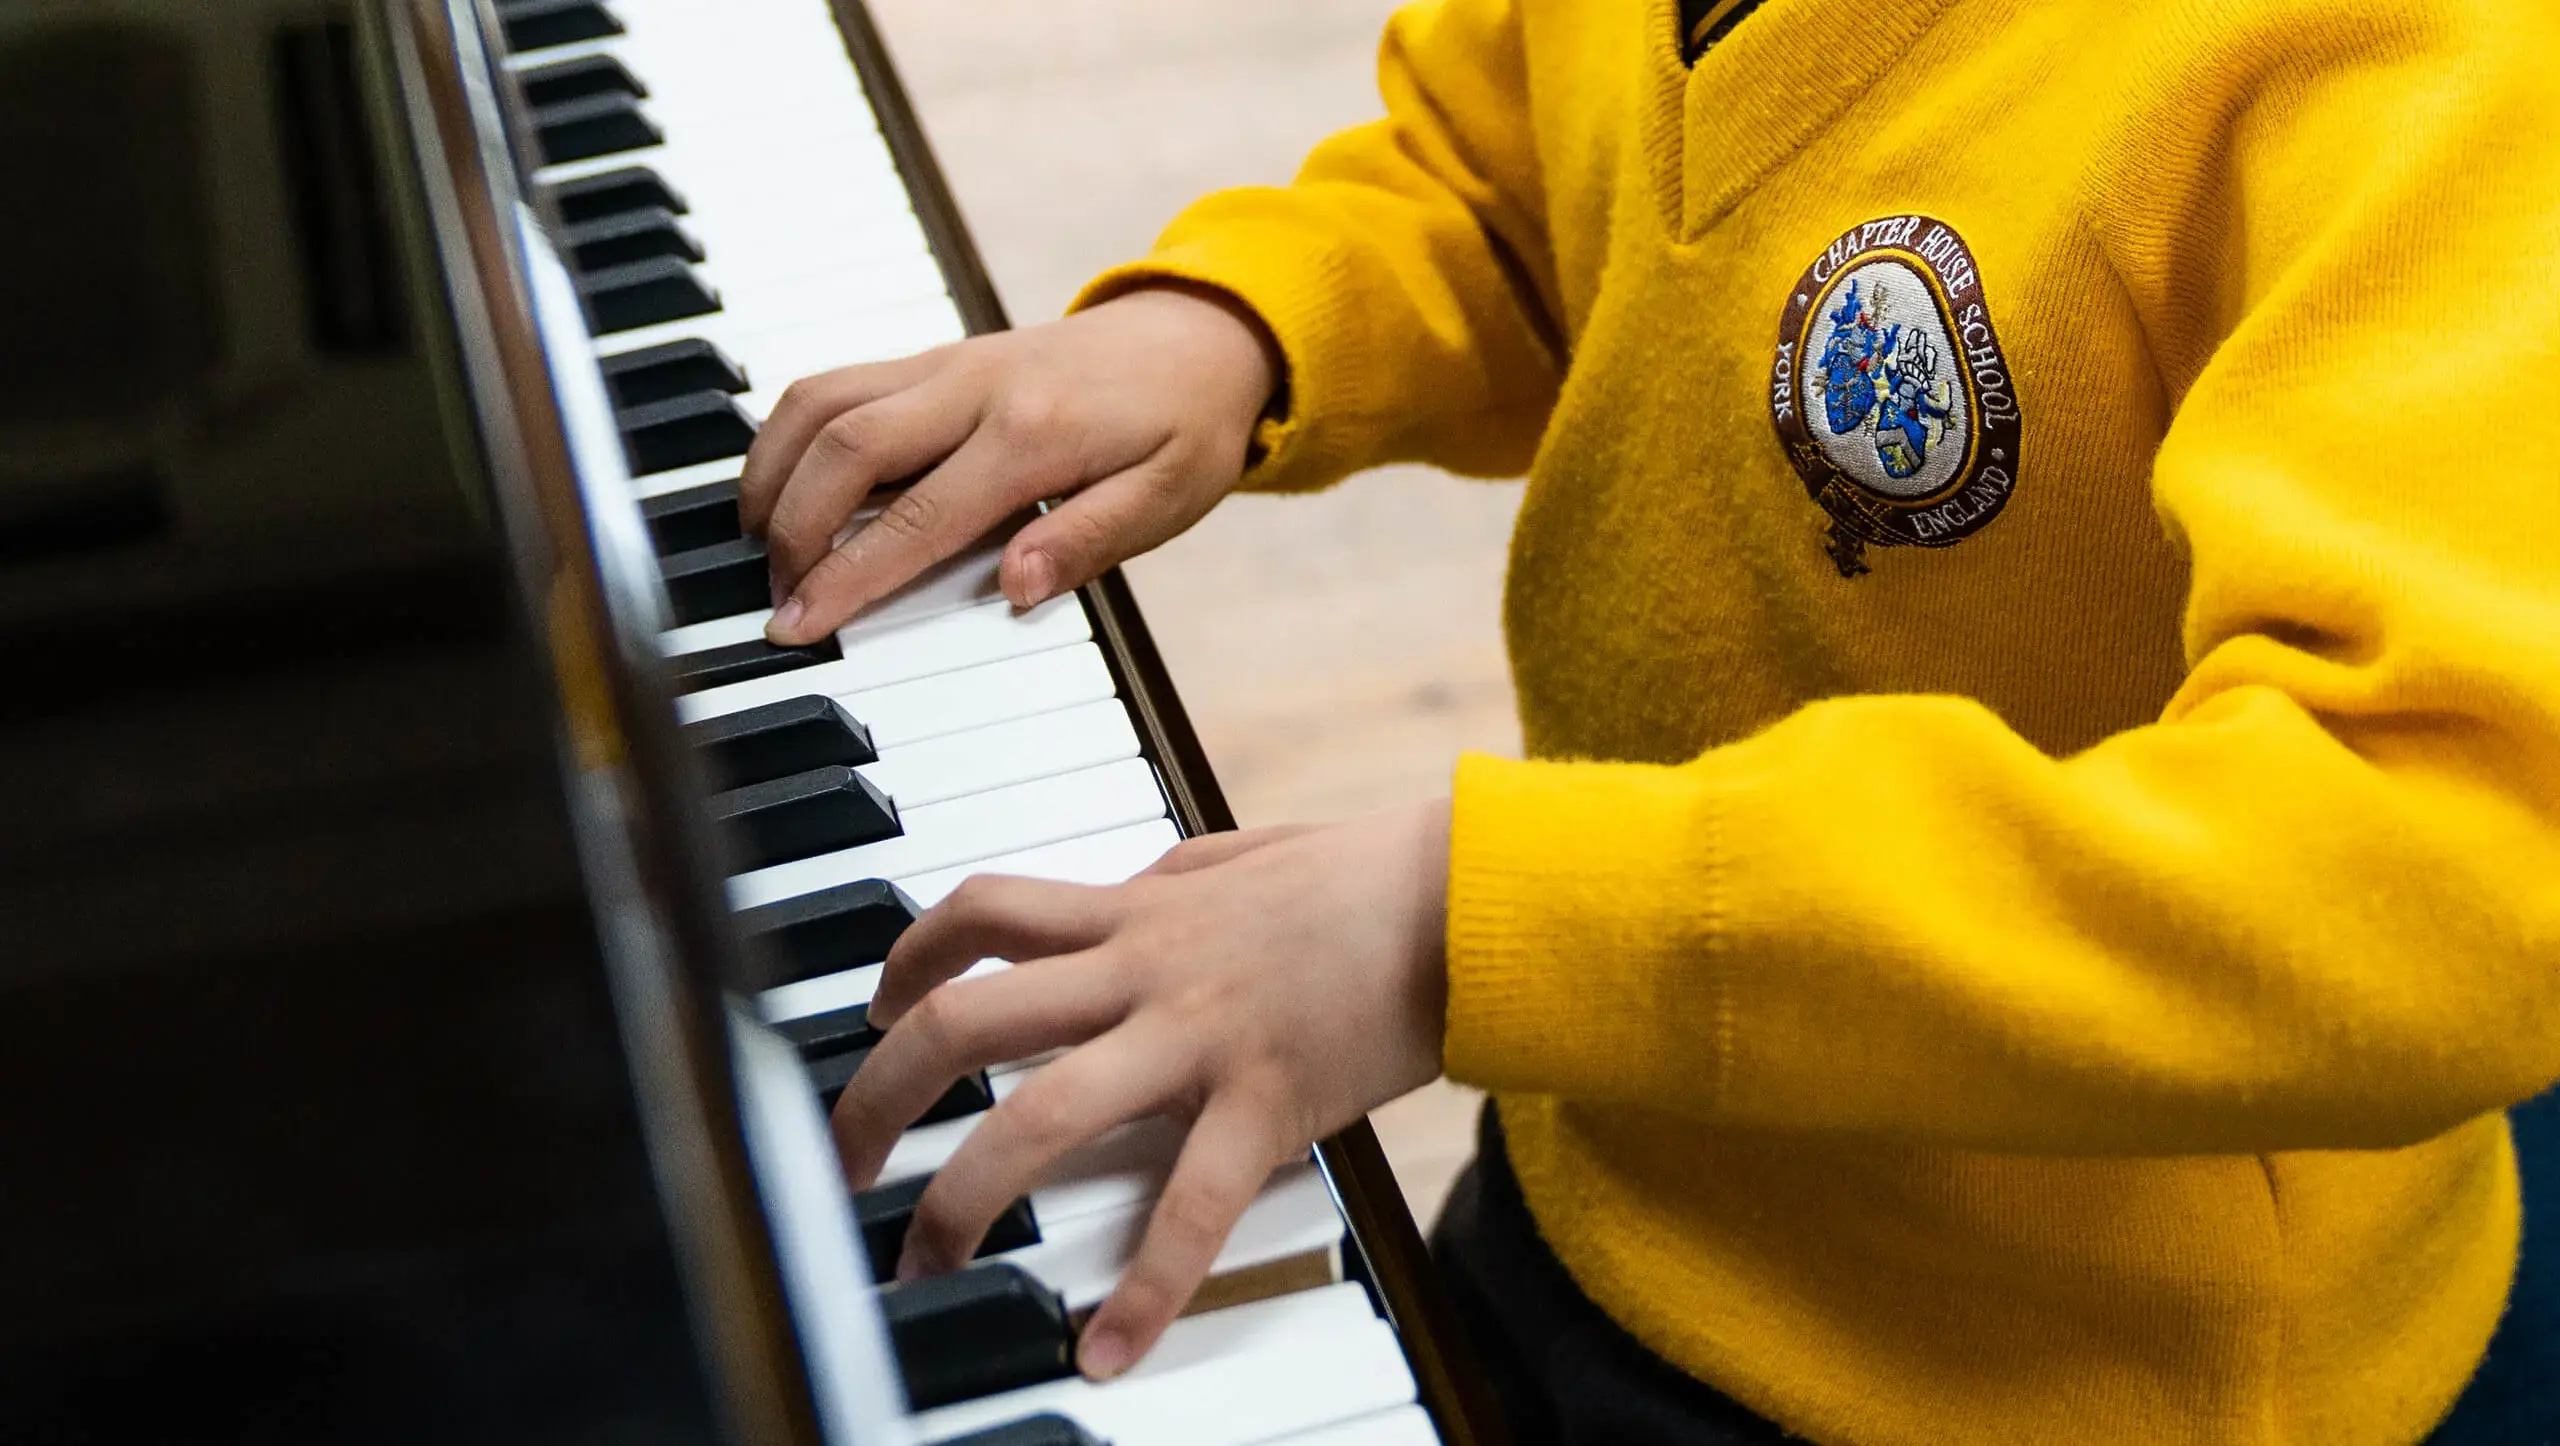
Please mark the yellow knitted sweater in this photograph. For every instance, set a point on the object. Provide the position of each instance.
(2066, 866)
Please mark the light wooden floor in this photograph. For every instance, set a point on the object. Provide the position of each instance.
(1337, 652)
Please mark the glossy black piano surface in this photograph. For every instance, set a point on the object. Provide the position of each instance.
(376, 1026)
(319, 1125)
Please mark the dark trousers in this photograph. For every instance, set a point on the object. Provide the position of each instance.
(1566, 1375)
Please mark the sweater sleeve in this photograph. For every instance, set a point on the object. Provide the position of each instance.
(2317, 902)
(1405, 274)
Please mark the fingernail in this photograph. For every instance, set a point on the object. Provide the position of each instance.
(1103, 1353)
(786, 619)
(1039, 578)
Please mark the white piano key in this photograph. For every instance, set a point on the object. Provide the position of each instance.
(962, 638)
(716, 45)
(841, 990)
(741, 239)
(1104, 858)
(765, 303)
(815, 345)
(846, 207)
(805, 997)
(1119, 1172)
(965, 830)
(820, 131)
(1036, 683)
(1083, 1258)
(967, 638)
(964, 698)
(838, 316)
(1403, 1426)
(694, 87)
(959, 764)
(553, 54)
(717, 633)
(733, 49)
(769, 304)
(840, 200)
(1091, 1190)
(833, 679)
(812, 118)
(1230, 1377)
(700, 474)
(962, 581)
(786, 89)
(783, 248)
(884, 335)
(853, 156)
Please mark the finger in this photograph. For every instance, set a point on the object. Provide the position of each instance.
(1212, 849)
(804, 407)
(968, 1025)
(988, 479)
(1099, 528)
(1134, 1070)
(1222, 1167)
(897, 436)
(991, 916)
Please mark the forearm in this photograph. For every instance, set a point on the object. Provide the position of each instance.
(1401, 273)
(2230, 931)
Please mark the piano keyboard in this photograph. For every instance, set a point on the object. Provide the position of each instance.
(736, 220)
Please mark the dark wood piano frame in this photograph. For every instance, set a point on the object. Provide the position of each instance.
(1383, 1231)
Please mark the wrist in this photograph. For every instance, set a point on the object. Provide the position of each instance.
(1427, 1000)
(1238, 357)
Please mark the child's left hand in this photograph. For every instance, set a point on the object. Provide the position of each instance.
(1266, 987)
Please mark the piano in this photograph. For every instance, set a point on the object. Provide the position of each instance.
(437, 919)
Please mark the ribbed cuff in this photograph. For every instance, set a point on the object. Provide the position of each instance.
(1240, 243)
(1584, 940)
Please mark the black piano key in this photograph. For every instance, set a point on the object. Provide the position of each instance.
(540, 24)
(778, 740)
(643, 293)
(577, 79)
(722, 580)
(829, 931)
(738, 662)
(694, 517)
(807, 814)
(976, 1332)
(884, 1211)
(683, 431)
(670, 369)
(1046, 1429)
(591, 126)
(628, 236)
(609, 193)
(837, 1029)
(969, 1095)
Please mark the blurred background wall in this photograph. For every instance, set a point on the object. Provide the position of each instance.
(1338, 651)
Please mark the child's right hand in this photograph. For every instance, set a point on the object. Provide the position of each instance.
(1137, 412)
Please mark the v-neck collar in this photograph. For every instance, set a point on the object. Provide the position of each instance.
(1714, 130)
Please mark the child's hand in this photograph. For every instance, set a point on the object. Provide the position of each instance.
(1266, 987)
(1141, 408)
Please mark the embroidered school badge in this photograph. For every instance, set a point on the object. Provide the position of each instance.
(1890, 392)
